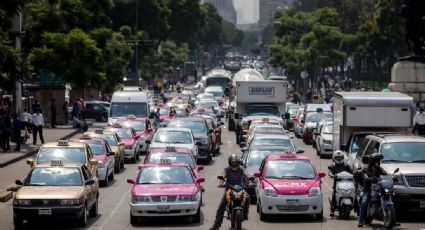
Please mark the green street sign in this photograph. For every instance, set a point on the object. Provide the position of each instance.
(48, 78)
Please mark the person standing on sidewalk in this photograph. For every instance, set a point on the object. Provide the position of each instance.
(38, 122)
(25, 120)
(65, 112)
(53, 113)
(17, 131)
(7, 132)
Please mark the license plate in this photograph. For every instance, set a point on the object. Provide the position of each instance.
(44, 212)
(422, 204)
(163, 208)
(292, 203)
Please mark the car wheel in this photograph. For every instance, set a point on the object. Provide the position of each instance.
(197, 217)
(133, 219)
(263, 216)
(82, 221)
(106, 181)
(18, 222)
(318, 217)
(94, 209)
(112, 176)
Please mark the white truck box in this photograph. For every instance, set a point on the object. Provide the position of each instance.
(261, 91)
(369, 112)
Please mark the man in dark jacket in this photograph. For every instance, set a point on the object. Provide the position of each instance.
(17, 126)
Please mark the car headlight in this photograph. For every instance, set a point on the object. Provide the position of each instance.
(327, 142)
(140, 199)
(22, 202)
(100, 164)
(269, 191)
(315, 191)
(397, 180)
(70, 202)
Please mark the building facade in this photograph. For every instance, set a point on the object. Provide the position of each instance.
(268, 9)
(225, 8)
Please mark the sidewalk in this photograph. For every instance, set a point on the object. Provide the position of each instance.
(28, 149)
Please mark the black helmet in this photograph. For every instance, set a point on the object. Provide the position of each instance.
(233, 158)
(376, 157)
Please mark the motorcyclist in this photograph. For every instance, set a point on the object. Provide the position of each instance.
(179, 86)
(233, 175)
(372, 172)
(338, 166)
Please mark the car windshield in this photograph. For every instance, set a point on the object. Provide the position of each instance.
(195, 126)
(315, 117)
(255, 157)
(122, 133)
(293, 110)
(175, 137)
(66, 154)
(123, 109)
(207, 104)
(136, 125)
(173, 157)
(206, 96)
(357, 141)
(328, 129)
(290, 169)
(164, 111)
(54, 176)
(404, 152)
(262, 110)
(273, 141)
(97, 148)
(165, 175)
(110, 138)
(268, 128)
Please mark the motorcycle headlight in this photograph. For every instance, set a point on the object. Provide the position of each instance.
(269, 191)
(397, 180)
(315, 191)
(140, 199)
(237, 195)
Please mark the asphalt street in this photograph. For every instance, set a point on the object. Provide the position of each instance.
(114, 210)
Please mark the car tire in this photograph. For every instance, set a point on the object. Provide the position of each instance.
(18, 222)
(112, 176)
(82, 221)
(318, 217)
(122, 164)
(133, 219)
(94, 210)
(263, 216)
(197, 217)
(106, 181)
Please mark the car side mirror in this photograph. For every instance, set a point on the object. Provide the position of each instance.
(93, 162)
(200, 179)
(19, 182)
(299, 151)
(257, 174)
(89, 182)
(148, 141)
(131, 181)
(111, 154)
(31, 163)
(322, 174)
(287, 116)
(150, 130)
(366, 159)
(200, 168)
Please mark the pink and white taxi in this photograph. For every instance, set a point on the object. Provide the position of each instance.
(165, 189)
(289, 184)
(142, 127)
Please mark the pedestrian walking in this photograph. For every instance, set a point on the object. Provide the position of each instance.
(53, 113)
(65, 112)
(17, 129)
(157, 119)
(38, 123)
(25, 118)
(76, 110)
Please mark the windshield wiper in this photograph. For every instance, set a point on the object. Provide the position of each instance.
(37, 184)
(396, 161)
(418, 161)
(178, 142)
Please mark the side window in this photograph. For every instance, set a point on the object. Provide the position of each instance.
(372, 148)
(118, 138)
(89, 154)
(362, 148)
(262, 166)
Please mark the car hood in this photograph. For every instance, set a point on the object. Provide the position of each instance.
(49, 192)
(292, 187)
(200, 135)
(164, 189)
(127, 141)
(102, 158)
(252, 168)
(405, 168)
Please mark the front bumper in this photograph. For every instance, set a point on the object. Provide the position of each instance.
(129, 153)
(409, 201)
(326, 149)
(278, 205)
(71, 212)
(175, 209)
(203, 151)
(101, 172)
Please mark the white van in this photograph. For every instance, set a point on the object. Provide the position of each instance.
(217, 91)
(125, 103)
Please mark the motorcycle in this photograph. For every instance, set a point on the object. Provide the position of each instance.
(236, 198)
(381, 206)
(345, 195)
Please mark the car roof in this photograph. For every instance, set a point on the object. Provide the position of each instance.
(70, 144)
(64, 165)
(267, 147)
(401, 138)
(183, 119)
(89, 139)
(173, 164)
(274, 136)
(177, 150)
(173, 129)
(286, 157)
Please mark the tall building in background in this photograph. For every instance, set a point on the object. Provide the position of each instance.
(225, 8)
(268, 9)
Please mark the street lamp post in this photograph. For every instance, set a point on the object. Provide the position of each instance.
(136, 64)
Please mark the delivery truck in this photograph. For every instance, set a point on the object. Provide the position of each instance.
(358, 114)
(258, 100)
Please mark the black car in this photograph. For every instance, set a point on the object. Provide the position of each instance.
(201, 133)
(96, 110)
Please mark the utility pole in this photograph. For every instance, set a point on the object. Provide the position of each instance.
(17, 92)
(305, 66)
(136, 64)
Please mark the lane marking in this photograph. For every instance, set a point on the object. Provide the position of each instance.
(116, 208)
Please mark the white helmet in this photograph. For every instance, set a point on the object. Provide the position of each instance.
(338, 157)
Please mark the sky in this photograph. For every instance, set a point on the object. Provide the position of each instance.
(248, 11)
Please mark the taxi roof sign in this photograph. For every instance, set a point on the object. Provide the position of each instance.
(170, 149)
(98, 131)
(165, 161)
(85, 136)
(63, 143)
(56, 163)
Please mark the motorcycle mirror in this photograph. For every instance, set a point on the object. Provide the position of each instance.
(396, 170)
(331, 167)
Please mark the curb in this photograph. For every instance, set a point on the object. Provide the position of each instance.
(34, 151)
